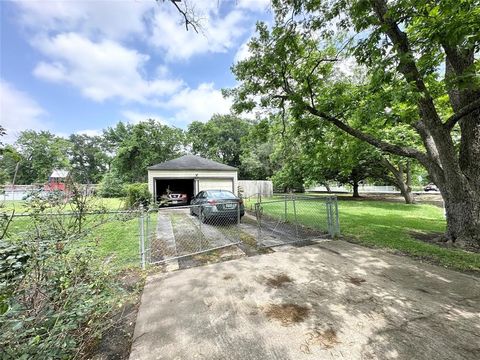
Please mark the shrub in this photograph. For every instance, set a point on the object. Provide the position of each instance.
(55, 294)
(111, 186)
(137, 194)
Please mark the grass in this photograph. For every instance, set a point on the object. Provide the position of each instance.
(379, 224)
(117, 239)
(21, 206)
(388, 225)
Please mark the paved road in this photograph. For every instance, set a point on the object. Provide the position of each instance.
(333, 300)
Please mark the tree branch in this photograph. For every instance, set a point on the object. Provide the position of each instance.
(466, 110)
(8, 221)
(188, 21)
(407, 65)
(382, 145)
(390, 166)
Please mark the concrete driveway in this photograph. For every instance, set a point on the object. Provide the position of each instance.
(333, 300)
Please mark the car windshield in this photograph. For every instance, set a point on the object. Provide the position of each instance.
(221, 194)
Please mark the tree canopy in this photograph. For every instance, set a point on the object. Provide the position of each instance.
(417, 70)
(218, 139)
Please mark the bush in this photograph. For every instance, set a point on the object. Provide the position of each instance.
(137, 194)
(55, 293)
(111, 186)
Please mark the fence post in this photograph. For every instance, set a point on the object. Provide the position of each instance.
(199, 217)
(332, 217)
(148, 245)
(295, 217)
(142, 237)
(286, 208)
(259, 222)
(337, 221)
(329, 216)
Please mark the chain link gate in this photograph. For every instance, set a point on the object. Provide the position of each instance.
(176, 232)
(296, 219)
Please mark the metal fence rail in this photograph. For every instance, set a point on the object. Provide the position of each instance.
(296, 218)
(176, 232)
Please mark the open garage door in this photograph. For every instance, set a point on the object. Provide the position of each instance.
(184, 186)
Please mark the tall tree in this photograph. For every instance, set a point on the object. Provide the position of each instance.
(400, 43)
(257, 148)
(88, 158)
(332, 155)
(40, 153)
(219, 138)
(116, 135)
(144, 144)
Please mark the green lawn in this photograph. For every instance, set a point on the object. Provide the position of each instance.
(21, 206)
(388, 225)
(373, 223)
(118, 240)
(117, 237)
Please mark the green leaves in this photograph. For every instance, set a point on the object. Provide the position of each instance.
(219, 139)
(13, 265)
(52, 284)
(141, 145)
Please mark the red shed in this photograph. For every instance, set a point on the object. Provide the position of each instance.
(57, 180)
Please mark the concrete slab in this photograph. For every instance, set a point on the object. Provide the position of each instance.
(333, 300)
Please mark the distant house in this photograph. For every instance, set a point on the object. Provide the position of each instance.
(191, 174)
(57, 180)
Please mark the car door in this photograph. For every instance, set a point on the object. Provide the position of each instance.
(196, 201)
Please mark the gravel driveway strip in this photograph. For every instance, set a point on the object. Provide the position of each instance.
(334, 300)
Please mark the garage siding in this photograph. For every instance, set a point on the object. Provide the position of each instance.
(215, 184)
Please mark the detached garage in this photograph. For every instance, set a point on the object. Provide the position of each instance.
(190, 174)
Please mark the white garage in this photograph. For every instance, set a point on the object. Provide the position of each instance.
(190, 174)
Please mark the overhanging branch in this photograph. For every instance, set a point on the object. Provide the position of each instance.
(382, 145)
(450, 123)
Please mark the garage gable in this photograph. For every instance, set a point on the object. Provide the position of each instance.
(201, 173)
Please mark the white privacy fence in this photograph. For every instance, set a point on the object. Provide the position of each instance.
(249, 188)
(21, 192)
(361, 188)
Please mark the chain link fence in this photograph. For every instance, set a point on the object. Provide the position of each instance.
(112, 233)
(174, 232)
(296, 219)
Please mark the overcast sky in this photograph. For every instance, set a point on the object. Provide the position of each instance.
(79, 66)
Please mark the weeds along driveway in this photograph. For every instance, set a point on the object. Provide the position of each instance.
(331, 300)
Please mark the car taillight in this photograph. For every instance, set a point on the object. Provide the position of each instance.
(184, 196)
(212, 202)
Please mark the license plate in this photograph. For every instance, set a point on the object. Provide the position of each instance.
(174, 202)
(230, 206)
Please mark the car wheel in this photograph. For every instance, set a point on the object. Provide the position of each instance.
(203, 218)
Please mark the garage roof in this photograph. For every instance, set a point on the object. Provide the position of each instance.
(192, 162)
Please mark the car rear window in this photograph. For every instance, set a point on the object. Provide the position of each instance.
(221, 194)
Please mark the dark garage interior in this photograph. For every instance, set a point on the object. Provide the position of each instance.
(185, 186)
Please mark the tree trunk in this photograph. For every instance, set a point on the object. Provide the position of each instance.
(463, 220)
(408, 196)
(405, 187)
(328, 187)
(355, 189)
